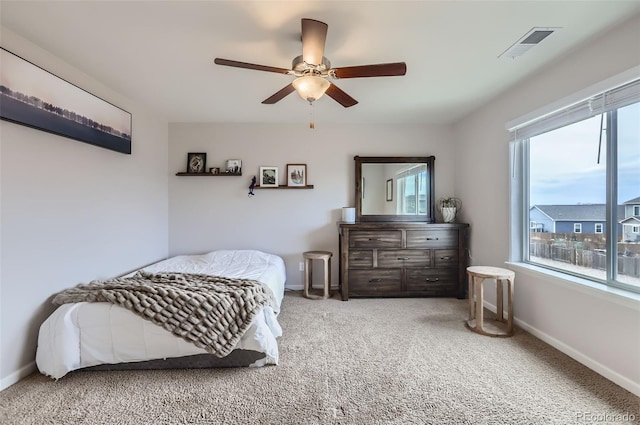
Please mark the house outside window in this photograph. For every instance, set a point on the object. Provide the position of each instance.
(574, 160)
(536, 227)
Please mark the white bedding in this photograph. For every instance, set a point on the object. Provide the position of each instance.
(87, 334)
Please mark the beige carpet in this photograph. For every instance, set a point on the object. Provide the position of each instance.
(367, 361)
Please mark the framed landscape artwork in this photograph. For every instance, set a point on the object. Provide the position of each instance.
(268, 176)
(296, 174)
(233, 166)
(34, 97)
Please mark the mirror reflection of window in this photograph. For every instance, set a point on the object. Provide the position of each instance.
(410, 188)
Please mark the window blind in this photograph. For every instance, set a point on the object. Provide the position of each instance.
(597, 104)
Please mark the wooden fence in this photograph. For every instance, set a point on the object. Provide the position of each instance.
(629, 266)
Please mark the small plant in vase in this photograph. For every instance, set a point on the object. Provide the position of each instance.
(448, 208)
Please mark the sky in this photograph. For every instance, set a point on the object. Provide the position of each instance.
(564, 162)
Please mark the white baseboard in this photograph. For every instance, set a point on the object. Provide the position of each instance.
(301, 288)
(17, 375)
(578, 356)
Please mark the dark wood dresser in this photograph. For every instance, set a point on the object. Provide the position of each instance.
(394, 259)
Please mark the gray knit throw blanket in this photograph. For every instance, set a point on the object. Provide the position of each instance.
(211, 312)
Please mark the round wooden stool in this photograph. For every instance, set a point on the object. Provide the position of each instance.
(309, 256)
(477, 275)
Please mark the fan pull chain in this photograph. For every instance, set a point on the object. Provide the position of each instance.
(312, 125)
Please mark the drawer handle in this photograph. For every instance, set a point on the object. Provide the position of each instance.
(432, 239)
(446, 258)
(432, 279)
(374, 239)
(403, 258)
(375, 280)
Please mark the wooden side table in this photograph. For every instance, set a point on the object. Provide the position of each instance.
(309, 256)
(477, 276)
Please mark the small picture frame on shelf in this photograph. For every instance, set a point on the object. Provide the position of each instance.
(196, 162)
(233, 166)
(389, 190)
(268, 176)
(296, 175)
(214, 170)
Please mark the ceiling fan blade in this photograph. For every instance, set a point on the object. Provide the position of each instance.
(340, 96)
(276, 97)
(236, 64)
(379, 70)
(314, 35)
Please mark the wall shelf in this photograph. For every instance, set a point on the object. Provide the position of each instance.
(284, 186)
(210, 175)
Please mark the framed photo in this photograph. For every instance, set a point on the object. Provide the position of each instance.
(196, 162)
(233, 166)
(34, 97)
(389, 190)
(296, 174)
(268, 176)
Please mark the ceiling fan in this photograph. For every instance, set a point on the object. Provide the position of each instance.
(312, 70)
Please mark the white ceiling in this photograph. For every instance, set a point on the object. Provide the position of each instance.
(161, 53)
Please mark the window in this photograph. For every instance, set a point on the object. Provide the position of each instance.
(576, 165)
(536, 227)
(410, 183)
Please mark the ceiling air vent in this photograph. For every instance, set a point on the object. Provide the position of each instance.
(527, 41)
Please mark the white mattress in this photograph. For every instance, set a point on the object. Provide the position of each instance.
(87, 334)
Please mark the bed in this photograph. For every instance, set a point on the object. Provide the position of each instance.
(101, 335)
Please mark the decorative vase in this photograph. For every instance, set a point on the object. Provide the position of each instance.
(448, 208)
(449, 214)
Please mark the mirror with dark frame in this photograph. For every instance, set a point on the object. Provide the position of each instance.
(392, 188)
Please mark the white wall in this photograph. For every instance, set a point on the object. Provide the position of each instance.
(72, 212)
(208, 213)
(602, 332)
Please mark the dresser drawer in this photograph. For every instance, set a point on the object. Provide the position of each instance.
(377, 282)
(432, 238)
(445, 257)
(375, 239)
(404, 258)
(398, 259)
(359, 258)
(432, 281)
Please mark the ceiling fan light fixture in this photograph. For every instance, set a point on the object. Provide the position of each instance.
(312, 71)
(310, 87)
